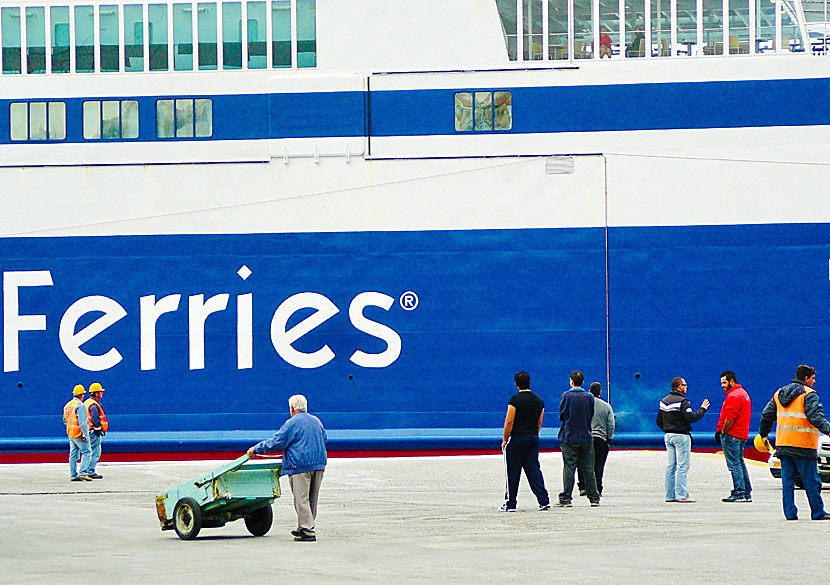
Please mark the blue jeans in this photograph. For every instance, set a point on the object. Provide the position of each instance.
(78, 446)
(808, 470)
(679, 449)
(733, 450)
(95, 455)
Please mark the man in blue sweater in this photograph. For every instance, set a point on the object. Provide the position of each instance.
(302, 439)
(576, 410)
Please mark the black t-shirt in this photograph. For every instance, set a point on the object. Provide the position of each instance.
(528, 410)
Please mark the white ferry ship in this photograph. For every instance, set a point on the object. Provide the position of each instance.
(392, 206)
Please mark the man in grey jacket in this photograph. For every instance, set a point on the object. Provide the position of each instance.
(602, 430)
(302, 439)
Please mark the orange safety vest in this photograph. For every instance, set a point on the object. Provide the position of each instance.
(70, 417)
(794, 429)
(104, 424)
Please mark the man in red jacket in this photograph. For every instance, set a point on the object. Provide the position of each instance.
(733, 430)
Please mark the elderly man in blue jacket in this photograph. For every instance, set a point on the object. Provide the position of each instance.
(302, 439)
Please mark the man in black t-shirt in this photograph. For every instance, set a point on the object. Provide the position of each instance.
(520, 444)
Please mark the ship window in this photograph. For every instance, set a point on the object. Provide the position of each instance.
(157, 31)
(110, 42)
(583, 26)
(133, 38)
(713, 27)
(306, 33)
(10, 30)
(207, 36)
(110, 119)
(281, 33)
(59, 23)
(660, 28)
(532, 14)
(509, 18)
(84, 39)
(558, 29)
(38, 120)
(738, 27)
(257, 29)
(483, 111)
(184, 118)
(687, 28)
(231, 35)
(183, 37)
(36, 40)
(635, 37)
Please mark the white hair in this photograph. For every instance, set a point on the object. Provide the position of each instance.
(298, 403)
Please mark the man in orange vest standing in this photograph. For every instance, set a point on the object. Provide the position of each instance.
(98, 426)
(797, 411)
(75, 417)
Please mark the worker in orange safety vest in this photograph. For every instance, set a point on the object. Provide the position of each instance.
(98, 426)
(76, 419)
(797, 412)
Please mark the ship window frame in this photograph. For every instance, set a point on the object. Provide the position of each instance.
(186, 124)
(127, 111)
(54, 121)
(473, 123)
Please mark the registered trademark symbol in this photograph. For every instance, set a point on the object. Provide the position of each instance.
(409, 301)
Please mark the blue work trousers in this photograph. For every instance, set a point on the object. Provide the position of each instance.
(77, 446)
(808, 470)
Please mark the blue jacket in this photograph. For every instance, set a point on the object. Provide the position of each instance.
(302, 439)
(576, 410)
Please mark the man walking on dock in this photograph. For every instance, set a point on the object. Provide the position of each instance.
(576, 411)
(302, 439)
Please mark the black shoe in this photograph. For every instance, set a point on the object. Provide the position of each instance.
(75, 479)
(305, 538)
(583, 493)
(564, 505)
(297, 533)
(824, 517)
(747, 498)
(595, 504)
(731, 499)
(544, 507)
(96, 476)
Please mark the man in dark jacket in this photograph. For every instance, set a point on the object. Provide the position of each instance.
(797, 411)
(576, 410)
(675, 417)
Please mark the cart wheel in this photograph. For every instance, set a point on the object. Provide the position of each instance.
(260, 521)
(187, 518)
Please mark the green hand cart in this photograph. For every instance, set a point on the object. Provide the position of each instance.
(230, 492)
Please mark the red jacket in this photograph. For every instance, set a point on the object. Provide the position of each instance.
(736, 407)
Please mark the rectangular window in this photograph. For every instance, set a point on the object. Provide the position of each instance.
(157, 31)
(38, 121)
(635, 37)
(59, 17)
(281, 33)
(165, 119)
(133, 38)
(583, 24)
(184, 118)
(257, 43)
(232, 35)
(306, 33)
(712, 27)
(532, 30)
(10, 30)
(57, 120)
(765, 26)
(110, 119)
(687, 27)
(36, 40)
(207, 36)
(738, 27)
(84, 39)
(182, 37)
(609, 28)
(483, 111)
(558, 29)
(109, 38)
(660, 28)
(509, 19)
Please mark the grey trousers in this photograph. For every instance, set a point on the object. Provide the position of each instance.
(306, 487)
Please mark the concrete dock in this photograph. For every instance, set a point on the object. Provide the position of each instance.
(412, 520)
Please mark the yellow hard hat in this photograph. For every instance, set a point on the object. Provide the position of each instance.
(761, 445)
(78, 390)
(95, 387)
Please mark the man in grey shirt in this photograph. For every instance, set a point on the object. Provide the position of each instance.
(602, 430)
